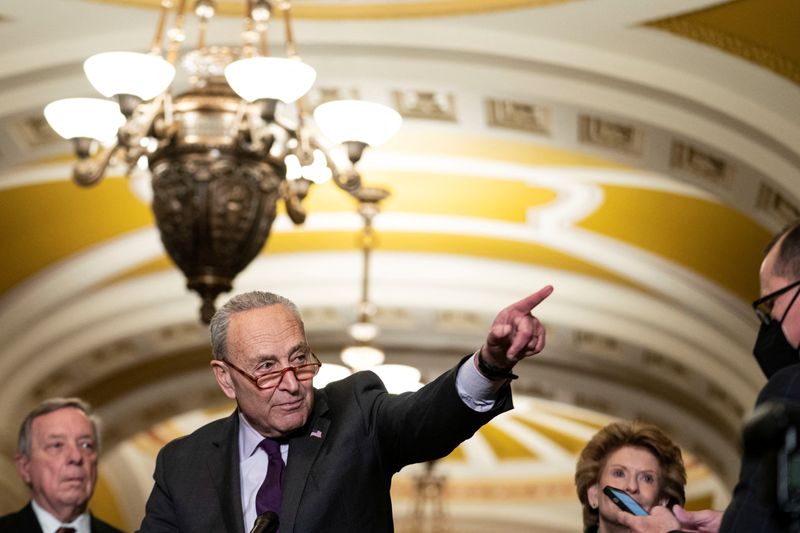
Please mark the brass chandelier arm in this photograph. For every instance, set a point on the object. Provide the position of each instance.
(88, 171)
(156, 46)
(176, 34)
(141, 125)
(367, 210)
(349, 180)
(286, 8)
(293, 192)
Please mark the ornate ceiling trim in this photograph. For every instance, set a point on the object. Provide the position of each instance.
(366, 9)
(732, 44)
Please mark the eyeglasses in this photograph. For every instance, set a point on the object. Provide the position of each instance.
(763, 306)
(270, 380)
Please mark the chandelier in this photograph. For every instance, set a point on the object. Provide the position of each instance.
(362, 353)
(222, 154)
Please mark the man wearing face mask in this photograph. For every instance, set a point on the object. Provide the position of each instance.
(777, 350)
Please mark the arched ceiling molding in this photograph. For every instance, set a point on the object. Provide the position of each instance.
(47, 291)
(45, 42)
(753, 159)
(579, 193)
(312, 9)
(126, 311)
(62, 282)
(665, 116)
(607, 62)
(619, 46)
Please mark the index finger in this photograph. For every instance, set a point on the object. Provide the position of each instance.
(527, 304)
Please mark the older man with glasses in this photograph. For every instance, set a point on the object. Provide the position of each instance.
(320, 460)
(777, 350)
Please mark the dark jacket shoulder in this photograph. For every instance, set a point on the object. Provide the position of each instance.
(25, 521)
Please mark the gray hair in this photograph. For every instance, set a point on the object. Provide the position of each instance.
(243, 302)
(48, 406)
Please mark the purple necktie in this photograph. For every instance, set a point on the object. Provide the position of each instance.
(269, 494)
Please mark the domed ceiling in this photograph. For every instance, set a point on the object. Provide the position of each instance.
(636, 155)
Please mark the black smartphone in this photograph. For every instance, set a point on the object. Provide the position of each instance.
(624, 501)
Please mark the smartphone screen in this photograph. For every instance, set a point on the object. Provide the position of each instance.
(624, 501)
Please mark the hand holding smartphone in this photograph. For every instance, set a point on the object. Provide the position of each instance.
(624, 501)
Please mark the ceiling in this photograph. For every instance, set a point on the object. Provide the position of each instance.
(636, 155)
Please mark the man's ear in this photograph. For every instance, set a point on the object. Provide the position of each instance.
(23, 467)
(592, 494)
(223, 378)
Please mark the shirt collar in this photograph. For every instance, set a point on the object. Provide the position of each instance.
(50, 523)
(249, 438)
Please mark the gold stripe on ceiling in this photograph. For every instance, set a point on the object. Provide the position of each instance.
(370, 9)
(466, 245)
(46, 222)
(761, 31)
(592, 420)
(456, 455)
(493, 149)
(43, 223)
(431, 193)
(709, 238)
(504, 446)
(569, 442)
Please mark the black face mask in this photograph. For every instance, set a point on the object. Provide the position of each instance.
(772, 350)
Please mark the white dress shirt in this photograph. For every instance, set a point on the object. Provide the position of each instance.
(50, 524)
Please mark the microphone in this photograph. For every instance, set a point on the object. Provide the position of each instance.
(266, 522)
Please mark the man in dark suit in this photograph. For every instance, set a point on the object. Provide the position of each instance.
(57, 458)
(777, 350)
(338, 446)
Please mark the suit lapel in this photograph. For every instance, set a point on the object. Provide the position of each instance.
(223, 466)
(28, 520)
(303, 450)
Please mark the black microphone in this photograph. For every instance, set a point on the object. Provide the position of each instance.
(266, 522)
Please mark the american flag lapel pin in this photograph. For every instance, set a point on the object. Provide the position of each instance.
(316, 434)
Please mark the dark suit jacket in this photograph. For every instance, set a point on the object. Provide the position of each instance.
(25, 521)
(748, 511)
(339, 468)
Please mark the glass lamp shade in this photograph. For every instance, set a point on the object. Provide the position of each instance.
(363, 331)
(362, 357)
(142, 75)
(399, 378)
(93, 118)
(274, 78)
(330, 372)
(357, 120)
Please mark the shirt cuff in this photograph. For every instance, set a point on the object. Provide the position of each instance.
(476, 390)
